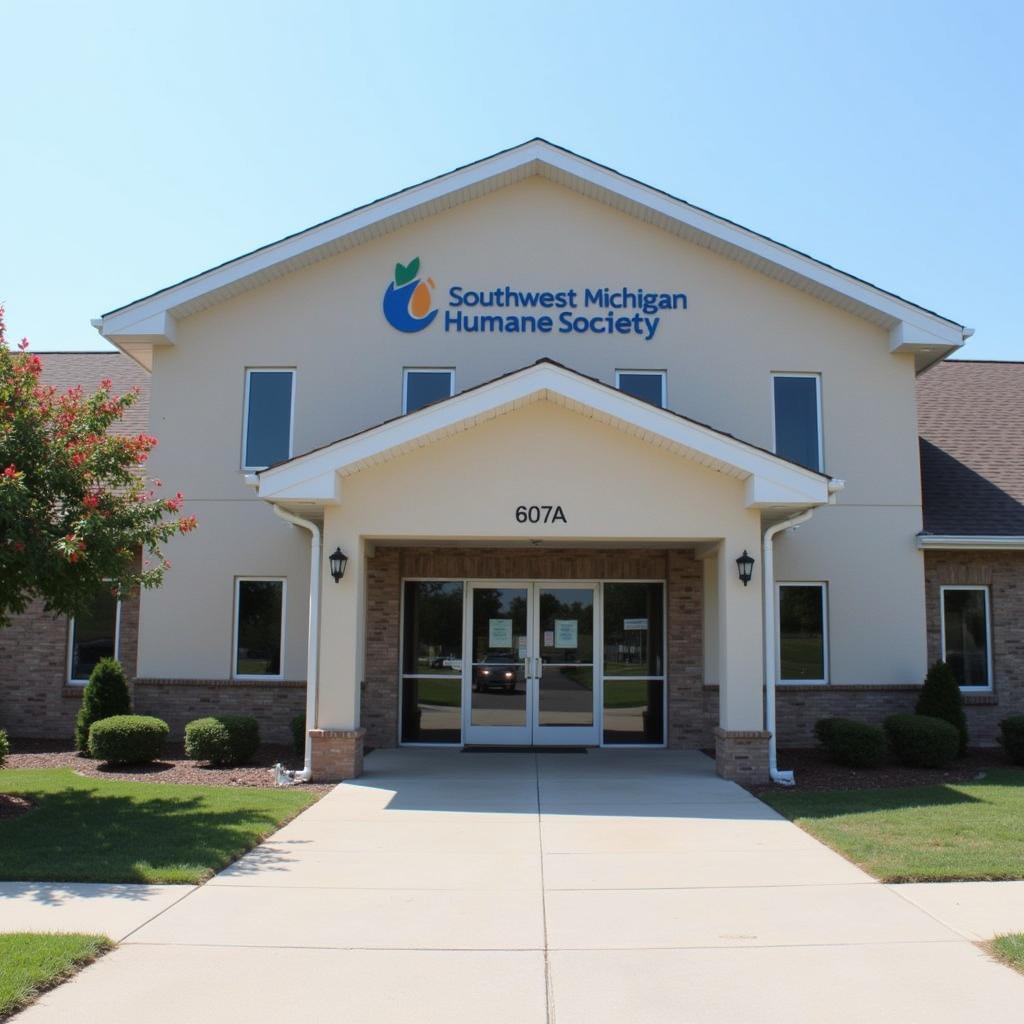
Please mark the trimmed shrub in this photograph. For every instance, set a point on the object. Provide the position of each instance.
(106, 694)
(920, 741)
(222, 740)
(850, 743)
(128, 739)
(299, 735)
(941, 698)
(1012, 729)
(5, 747)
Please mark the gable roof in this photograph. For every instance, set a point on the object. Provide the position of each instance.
(64, 370)
(971, 423)
(151, 320)
(771, 481)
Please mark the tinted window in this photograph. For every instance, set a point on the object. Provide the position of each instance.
(633, 629)
(422, 387)
(802, 632)
(965, 628)
(796, 420)
(260, 603)
(432, 662)
(646, 386)
(93, 636)
(268, 418)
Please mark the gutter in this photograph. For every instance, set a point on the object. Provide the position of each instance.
(768, 604)
(287, 778)
(954, 542)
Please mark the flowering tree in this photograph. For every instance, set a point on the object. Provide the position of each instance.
(76, 509)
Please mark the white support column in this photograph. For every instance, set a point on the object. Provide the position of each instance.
(337, 739)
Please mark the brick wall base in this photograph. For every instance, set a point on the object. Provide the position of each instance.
(742, 756)
(337, 754)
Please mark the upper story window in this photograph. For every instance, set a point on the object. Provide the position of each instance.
(796, 418)
(259, 628)
(93, 635)
(267, 430)
(966, 646)
(647, 385)
(424, 386)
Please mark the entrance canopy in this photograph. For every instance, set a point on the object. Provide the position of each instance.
(770, 482)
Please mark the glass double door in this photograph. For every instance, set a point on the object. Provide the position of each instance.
(529, 671)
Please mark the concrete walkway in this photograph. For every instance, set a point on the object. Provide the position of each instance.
(517, 888)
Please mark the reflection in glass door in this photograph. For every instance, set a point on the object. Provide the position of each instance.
(498, 663)
(564, 633)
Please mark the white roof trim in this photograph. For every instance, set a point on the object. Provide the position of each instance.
(152, 318)
(954, 542)
(771, 482)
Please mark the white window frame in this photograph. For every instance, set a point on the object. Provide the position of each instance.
(663, 374)
(283, 580)
(816, 377)
(70, 661)
(406, 370)
(988, 630)
(249, 371)
(822, 585)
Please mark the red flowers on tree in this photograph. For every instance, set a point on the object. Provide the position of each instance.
(75, 511)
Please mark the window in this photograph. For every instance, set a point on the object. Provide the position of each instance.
(93, 635)
(259, 628)
(647, 385)
(803, 633)
(796, 418)
(966, 645)
(634, 663)
(267, 430)
(432, 662)
(423, 387)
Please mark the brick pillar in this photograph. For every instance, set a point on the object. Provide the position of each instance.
(337, 754)
(742, 756)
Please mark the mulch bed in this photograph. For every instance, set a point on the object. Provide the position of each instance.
(814, 773)
(173, 767)
(12, 806)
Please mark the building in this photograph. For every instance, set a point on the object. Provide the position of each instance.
(533, 453)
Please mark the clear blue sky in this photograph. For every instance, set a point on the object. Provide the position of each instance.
(148, 141)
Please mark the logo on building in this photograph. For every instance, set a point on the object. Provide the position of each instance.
(408, 300)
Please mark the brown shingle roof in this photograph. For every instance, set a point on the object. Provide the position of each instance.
(970, 418)
(66, 369)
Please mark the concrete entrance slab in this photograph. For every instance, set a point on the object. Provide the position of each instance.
(977, 910)
(111, 910)
(530, 887)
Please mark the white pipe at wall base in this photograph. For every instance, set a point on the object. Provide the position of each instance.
(312, 647)
(768, 583)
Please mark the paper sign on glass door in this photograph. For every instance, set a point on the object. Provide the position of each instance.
(634, 624)
(566, 633)
(499, 633)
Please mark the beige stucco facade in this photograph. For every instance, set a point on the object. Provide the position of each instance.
(539, 220)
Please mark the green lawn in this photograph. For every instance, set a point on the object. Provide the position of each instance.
(942, 833)
(1009, 949)
(30, 963)
(95, 830)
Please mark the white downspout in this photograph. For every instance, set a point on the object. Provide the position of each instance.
(768, 583)
(286, 778)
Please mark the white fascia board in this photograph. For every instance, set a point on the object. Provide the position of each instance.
(780, 482)
(909, 336)
(154, 326)
(324, 489)
(954, 542)
(766, 492)
(502, 163)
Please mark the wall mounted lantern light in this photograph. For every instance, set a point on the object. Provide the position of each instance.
(745, 564)
(338, 562)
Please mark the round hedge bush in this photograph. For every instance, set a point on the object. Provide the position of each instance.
(920, 741)
(127, 739)
(222, 740)
(1012, 729)
(850, 743)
